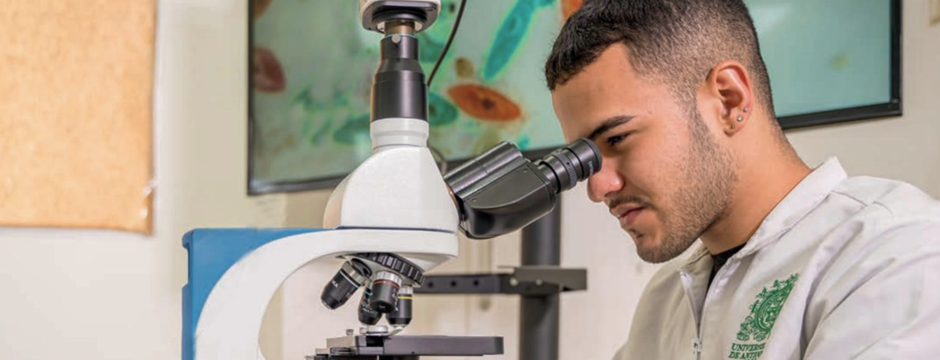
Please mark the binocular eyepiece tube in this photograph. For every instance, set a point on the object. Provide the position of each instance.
(500, 191)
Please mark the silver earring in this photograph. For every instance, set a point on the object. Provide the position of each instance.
(745, 109)
(740, 118)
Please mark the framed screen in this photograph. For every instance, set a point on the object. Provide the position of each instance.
(312, 67)
(831, 61)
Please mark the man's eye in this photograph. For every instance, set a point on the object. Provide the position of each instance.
(614, 140)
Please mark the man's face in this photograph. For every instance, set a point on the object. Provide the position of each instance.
(664, 176)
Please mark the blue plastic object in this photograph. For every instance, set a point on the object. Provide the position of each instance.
(211, 253)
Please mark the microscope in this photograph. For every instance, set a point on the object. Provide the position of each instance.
(391, 220)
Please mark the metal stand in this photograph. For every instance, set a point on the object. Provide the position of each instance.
(539, 281)
(538, 322)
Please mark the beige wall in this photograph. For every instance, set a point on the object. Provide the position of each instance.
(93, 295)
(98, 295)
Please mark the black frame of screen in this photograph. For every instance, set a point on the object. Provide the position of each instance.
(890, 108)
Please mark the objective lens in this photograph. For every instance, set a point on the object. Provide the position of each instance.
(385, 288)
(402, 314)
(344, 284)
(368, 316)
(571, 164)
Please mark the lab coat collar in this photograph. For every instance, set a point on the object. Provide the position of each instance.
(807, 195)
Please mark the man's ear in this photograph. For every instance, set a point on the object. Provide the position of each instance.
(730, 84)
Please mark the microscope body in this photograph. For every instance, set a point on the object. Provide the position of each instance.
(399, 186)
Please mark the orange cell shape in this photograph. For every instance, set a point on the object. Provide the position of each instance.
(568, 7)
(258, 8)
(267, 72)
(484, 103)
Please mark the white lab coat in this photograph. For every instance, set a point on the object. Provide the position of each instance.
(842, 268)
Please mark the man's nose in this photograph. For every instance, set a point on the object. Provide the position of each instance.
(605, 182)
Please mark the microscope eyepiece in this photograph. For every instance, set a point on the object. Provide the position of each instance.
(567, 166)
(500, 191)
(344, 284)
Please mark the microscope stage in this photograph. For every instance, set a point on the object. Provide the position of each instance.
(364, 347)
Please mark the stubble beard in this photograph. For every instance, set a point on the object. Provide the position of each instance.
(700, 198)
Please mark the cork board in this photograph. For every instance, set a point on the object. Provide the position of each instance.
(76, 87)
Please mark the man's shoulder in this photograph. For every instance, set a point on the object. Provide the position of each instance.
(894, 227)
(892, 218)
(879, 252)
(895, 217)
(898, 198)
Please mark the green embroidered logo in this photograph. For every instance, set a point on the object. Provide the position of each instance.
(760, 322)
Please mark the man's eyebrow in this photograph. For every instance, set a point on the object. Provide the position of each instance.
(608, 124)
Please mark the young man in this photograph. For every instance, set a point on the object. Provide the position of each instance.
(794, 263)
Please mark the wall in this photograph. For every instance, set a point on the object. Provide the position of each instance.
(595, 323)
(98, 295)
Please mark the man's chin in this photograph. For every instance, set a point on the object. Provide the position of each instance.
(656, 252)
(652, 256)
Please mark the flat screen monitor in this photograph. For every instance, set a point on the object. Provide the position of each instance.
(312, 66)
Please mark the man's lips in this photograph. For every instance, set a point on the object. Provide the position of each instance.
(627, 213)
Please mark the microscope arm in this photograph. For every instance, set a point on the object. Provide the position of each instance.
(226, 297)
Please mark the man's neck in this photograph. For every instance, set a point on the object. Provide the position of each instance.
(763, 182)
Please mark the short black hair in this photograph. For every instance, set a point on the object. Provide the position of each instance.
(676, 41)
